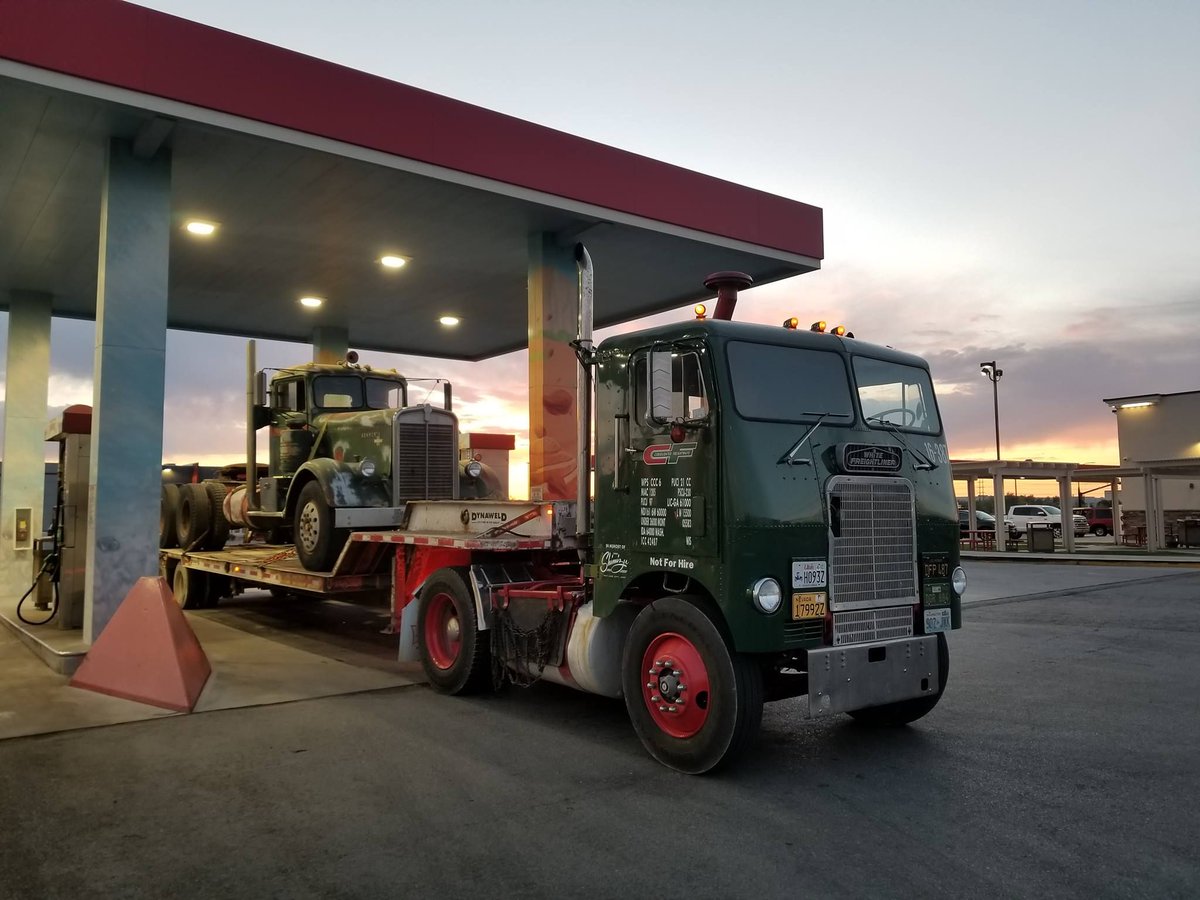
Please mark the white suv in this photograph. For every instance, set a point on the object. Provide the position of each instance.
(1019, 517)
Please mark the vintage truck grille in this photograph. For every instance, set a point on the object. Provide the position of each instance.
(859, 625)
(872, 546)
(426, 456)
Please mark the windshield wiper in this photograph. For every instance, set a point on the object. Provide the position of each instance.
(789, 458)
(925, 464)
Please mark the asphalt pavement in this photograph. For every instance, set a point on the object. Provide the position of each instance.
(1062, 762)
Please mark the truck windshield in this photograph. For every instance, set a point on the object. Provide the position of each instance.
(383, 393)
(896, 395)
(788, 384)
(337, 392)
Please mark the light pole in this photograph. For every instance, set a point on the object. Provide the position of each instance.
(992, 372)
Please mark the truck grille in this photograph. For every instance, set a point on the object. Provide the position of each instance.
(425, 455)
(859, 625)
(873, 544)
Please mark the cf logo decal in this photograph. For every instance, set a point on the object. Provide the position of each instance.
(667, 454)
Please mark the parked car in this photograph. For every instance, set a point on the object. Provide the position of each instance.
(1020, 517)
(983, 521)
(1099, 519)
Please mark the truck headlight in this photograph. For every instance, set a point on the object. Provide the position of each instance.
(766, 595)
(958, 580)
(367, 467)
(474, 468)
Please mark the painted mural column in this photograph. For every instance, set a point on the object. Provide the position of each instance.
(330, 344)
(125, 481)
(23, 486)
(553, 370)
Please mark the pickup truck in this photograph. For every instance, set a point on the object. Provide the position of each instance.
(1100, 520)
(1018, 519)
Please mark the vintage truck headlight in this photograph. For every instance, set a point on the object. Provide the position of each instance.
(473, 469)
(766, 595)
(958, 580)
(367, 467)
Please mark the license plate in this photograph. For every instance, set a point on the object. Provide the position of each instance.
(937, 620)
(808, 606)
(808, 573)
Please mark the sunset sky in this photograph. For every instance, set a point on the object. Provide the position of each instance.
(1010, 181)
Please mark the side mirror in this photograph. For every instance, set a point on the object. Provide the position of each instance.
(260, 388)
(659, 405)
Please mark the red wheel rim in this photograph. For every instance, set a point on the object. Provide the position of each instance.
(675, 687)
(443, 631)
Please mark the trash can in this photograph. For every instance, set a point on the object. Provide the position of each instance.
(1039, 537)
(1189, 532)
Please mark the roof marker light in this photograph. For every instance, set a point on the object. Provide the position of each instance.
(700, 310)
(791, 324)
(819, 325)
(839, 330)
(311, 302)
(200, 229)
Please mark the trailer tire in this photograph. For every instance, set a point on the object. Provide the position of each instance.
(218, 532)
(194, 516)
(190, 587)
(166, 516)
(318, 543)
(893, 715)
(715, 715)
(455, 654)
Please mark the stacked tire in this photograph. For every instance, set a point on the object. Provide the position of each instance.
(192, 516)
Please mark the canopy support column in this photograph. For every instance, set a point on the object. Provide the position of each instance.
(125, 477)
(998, 501)
(1065, 499)
(330, 344)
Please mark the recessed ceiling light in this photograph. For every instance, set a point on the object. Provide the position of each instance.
(392, 262)
(201, 229)
(311, 302)
(449, 321)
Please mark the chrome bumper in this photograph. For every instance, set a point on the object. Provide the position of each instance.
(841, 679)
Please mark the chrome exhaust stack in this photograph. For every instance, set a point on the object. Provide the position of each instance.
(251, 431)
(583, 398)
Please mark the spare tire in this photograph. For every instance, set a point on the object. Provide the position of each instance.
(218, 532)
(194, 517)
(166, 516)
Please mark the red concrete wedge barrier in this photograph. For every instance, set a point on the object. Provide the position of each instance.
(147, 652)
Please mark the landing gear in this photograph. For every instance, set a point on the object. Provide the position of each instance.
(455, 654)
(694, 704)
(905, 711)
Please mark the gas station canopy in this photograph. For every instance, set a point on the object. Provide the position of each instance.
(312, 172)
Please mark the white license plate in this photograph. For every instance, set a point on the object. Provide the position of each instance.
(808, 573)
(937, 620)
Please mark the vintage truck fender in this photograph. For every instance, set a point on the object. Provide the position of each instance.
(342, 483)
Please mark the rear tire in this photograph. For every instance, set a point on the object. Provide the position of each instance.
(218, 532)
(1100, 531)
(318, 543)
(694, 704)
(166, 516)
(455, 654)
(190, 587)
(194, 516)
(892, 715)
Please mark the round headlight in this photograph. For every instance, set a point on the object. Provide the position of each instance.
(367, 467)
(766, 595)
(958, 581)
(474, 468)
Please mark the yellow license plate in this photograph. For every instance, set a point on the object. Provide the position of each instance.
(808, 606)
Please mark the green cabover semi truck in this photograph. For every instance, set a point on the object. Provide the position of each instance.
(773, 517)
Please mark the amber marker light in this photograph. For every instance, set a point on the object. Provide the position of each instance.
(791, 324)
(700, 310)
(839, 330)
(819, 325)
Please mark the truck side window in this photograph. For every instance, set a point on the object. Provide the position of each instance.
(689, 399)
(288, 396)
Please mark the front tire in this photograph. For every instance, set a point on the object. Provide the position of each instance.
(694, 704)
(1100, 531)
(318, 543)
(455, 654)
(905, 711)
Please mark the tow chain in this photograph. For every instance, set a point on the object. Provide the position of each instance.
(513, 646)
(277, 557)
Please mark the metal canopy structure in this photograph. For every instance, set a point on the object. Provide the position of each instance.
(312, 171)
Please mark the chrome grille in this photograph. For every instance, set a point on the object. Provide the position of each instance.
(873, 545)
(426, 455)
(859, 625)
